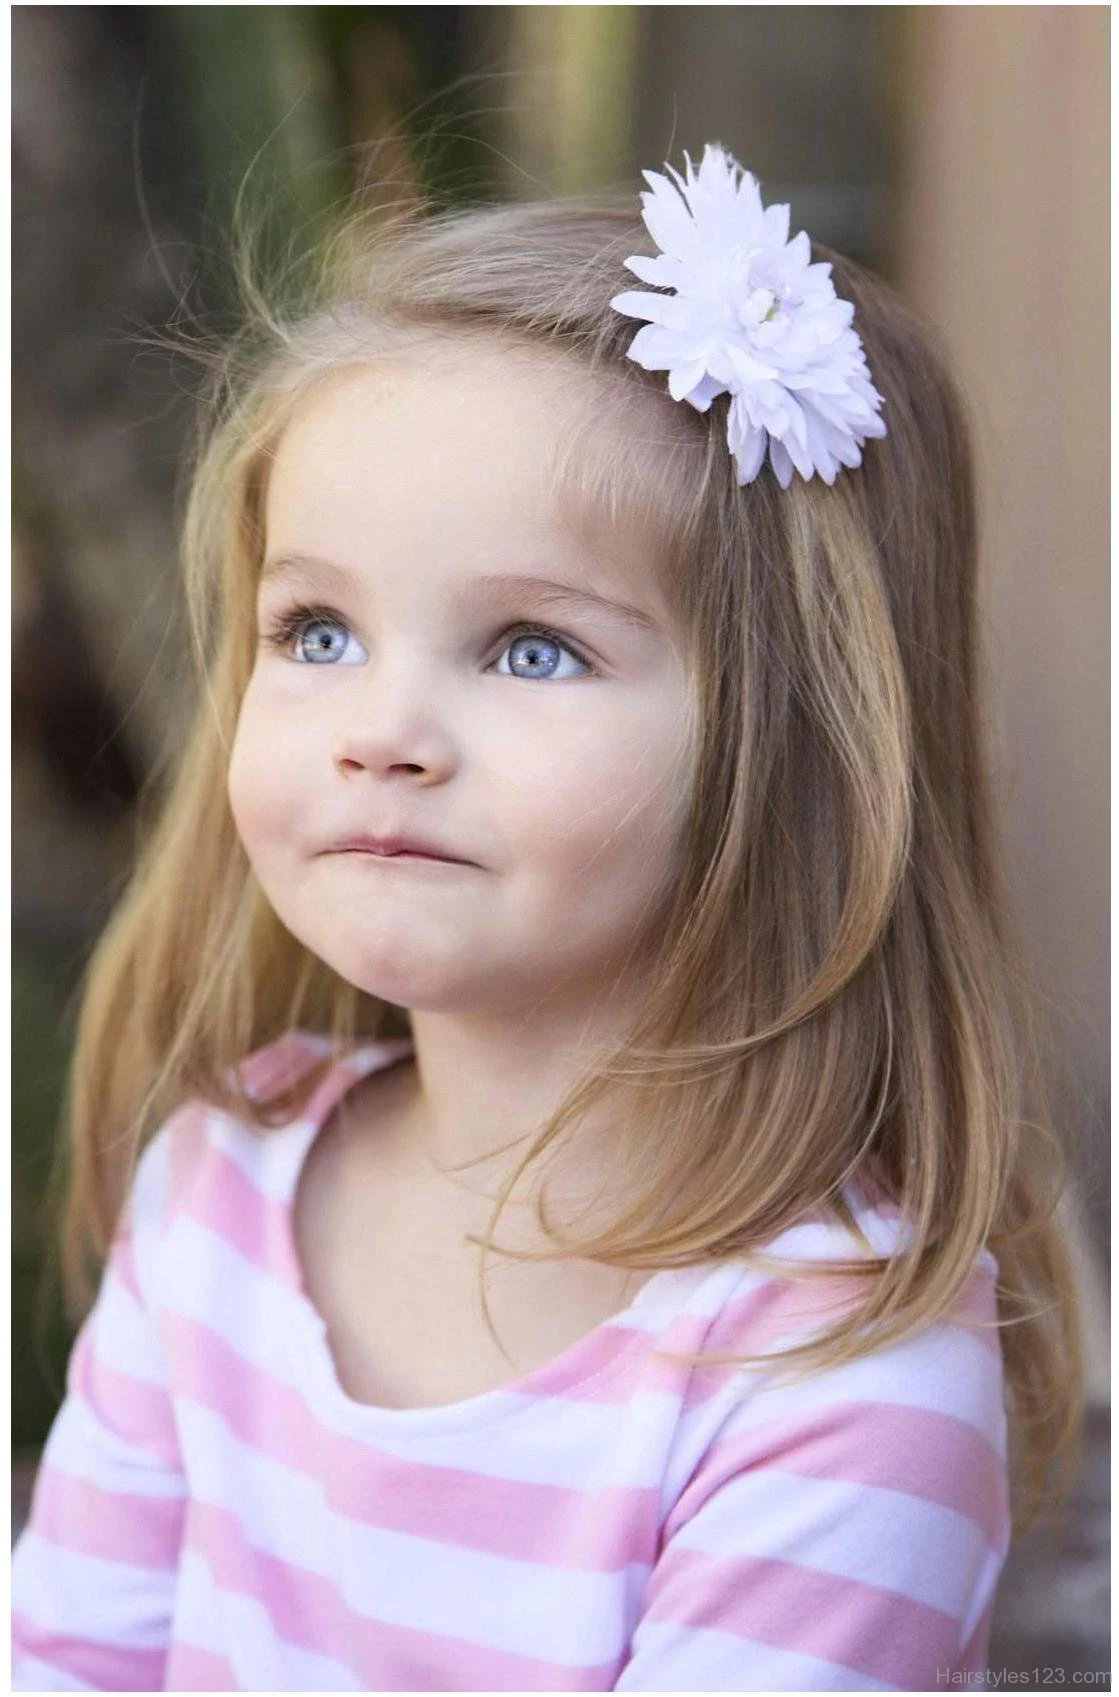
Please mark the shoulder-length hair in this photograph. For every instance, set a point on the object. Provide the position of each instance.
(840, 994)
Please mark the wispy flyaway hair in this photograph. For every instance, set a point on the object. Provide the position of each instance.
(840, 994)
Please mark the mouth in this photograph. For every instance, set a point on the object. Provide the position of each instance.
(397, 848)
(404, 854)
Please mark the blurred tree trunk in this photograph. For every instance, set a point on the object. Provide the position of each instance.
(131, 128)
(92, 449)
(570, 129)
(95, 449)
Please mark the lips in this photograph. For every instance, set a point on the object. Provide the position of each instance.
(391, 847)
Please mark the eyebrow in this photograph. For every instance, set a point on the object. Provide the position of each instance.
(489, 586)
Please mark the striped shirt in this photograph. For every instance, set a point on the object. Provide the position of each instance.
(213, 1512)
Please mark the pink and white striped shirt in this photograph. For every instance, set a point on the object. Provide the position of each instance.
(213, 1512)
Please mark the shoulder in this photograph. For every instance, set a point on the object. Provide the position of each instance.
(941, 1386)
(221, 1172)
(199, 1126)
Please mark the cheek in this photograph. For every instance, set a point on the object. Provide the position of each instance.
(605, 808)
(255, 781)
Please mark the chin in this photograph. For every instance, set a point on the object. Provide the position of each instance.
(406, 982)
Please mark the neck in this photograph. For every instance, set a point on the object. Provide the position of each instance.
(484, 1086)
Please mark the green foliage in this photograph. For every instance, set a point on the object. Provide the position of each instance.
(284, 107)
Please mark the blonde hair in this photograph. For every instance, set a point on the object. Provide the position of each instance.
(840, 993)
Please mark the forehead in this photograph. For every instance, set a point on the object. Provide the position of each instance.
(475, 449)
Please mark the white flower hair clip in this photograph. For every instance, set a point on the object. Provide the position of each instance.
(752, 318)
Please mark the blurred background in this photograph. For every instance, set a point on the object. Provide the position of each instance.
(963, 152)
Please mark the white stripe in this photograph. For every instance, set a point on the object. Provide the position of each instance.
(674, 1658)
(829, 1240)
(124, 1337)
(984, 1591)
(31, 1674)
(203, 1278)
(268, 1159)
(79, 1596)
(888, 1235)
(525, 1608)
(148, 1196)
(80, 1445)
(942, 1370)
(875, 1536)
(153, 1167)
(238, 1628)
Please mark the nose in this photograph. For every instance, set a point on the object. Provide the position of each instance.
(392, 726)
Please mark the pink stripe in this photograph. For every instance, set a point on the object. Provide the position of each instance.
(335, 1084)
(976, 1308)
(224, 1200)
(190, 1668)
(113, 1525)
(789, 1306)
(186, 1132)
(309, 1611)
(105, 1667)
(277, 1066)
(879, 1633)
(917, 1452)
(608, 1365)
(280, 1066)
(771, 1313)
(550, 1524)
(122, 1265)
(775, 1315)
(136, 1412)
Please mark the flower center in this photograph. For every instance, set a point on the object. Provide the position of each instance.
(759, 306)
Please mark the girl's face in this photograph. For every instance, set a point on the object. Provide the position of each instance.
(420, 674)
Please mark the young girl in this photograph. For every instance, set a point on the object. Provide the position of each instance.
(585, 823)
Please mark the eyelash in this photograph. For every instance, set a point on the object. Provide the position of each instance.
(282, 630)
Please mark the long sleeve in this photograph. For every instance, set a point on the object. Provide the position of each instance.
(844, 1534)
(93, 1574)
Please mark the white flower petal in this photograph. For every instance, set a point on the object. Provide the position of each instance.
(752, 458)
(751, 315)
(799, 455)
(799, 253)
(654, 347)
(776, 224)
(747, 367)
(683, 378)
(661, 272)
(635, 303)
(668, 222)
(748, 441)
(705, 392)
(782, 464)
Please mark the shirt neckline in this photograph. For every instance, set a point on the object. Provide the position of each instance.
(575, 1369)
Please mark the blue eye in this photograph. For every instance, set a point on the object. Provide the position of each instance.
(310, 635)
(535, 655)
